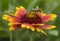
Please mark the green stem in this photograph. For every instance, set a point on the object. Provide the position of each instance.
(31, 38)
(11, 36)
(16, 35)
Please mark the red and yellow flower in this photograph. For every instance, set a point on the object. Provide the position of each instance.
(34, 20)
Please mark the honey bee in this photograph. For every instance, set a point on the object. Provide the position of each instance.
(37, 9)
(33, 12)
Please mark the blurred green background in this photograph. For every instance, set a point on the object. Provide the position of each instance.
(48, 6)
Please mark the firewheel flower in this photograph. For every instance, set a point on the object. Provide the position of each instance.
(34, 20)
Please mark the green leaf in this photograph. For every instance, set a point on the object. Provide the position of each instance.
(53, 32)
(51, 5)
(5, 4)
(31, 5)
(3, 34)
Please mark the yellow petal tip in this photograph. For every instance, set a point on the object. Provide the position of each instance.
(5, 17)
(10, 24)
(11, 28)
(40, 30)
(28, 27)
(53, 26)
(53, 16)
(23, 26)
(32, 29)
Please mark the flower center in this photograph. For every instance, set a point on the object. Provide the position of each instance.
(31, 15)
(31, 19)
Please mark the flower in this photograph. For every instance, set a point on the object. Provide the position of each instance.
(34, 20)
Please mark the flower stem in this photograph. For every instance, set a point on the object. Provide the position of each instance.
(11, 36)
(31, 38)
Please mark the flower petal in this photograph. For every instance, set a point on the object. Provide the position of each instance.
(14, 26)
(40, 30)
(33, 29)
(28, 26)
(11, 24)
(48, 27)
(53, 16)
(41, 14)
(11, 28)
(6, 17)
(38, 24)
(10, 18)
(49, 17)
(20, 12)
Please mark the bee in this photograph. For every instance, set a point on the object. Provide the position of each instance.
(37, 9)
(33, 12)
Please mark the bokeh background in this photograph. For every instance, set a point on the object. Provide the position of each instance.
(48, 6)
